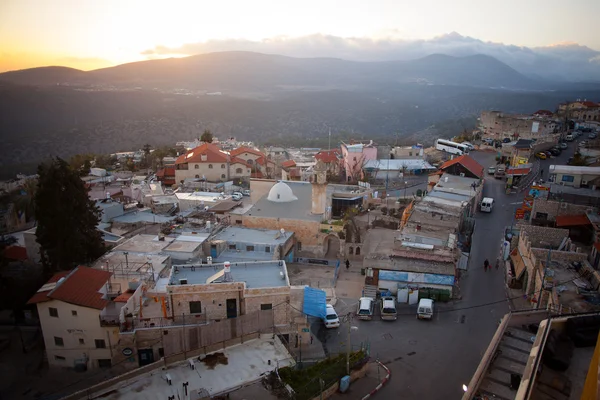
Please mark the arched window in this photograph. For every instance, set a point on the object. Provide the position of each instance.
(197, 176)
(250, 162)
(238, 171)
(222, 176)
(196, 166)
(222, 166)
(351, 250)
(209, 166)
(358, 251)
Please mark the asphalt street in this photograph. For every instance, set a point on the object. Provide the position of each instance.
(433, 359)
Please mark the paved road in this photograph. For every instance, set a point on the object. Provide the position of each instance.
(431, 360)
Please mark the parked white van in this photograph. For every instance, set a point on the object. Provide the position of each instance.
(425, 310)
(388, 309)
(487, 204)
(365, 308)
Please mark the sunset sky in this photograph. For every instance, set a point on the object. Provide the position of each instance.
(88, 34)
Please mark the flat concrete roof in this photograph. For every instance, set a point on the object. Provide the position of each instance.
(237, 234)
(457, 184)
(245, 363)
(259, 274)
(144, 244)
(297, 209)
(142, 216)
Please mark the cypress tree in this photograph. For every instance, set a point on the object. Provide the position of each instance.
(66, 218)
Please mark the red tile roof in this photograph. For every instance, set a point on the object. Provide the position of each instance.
(15, 253)
(213, 155)
(245, 149)
(123, 297)
(288, 164)
(167, 171)
(328, 156)
(263, 161)
(42, 296)
(590, 104)
(81, 287)
(572, 220)
(469, 163)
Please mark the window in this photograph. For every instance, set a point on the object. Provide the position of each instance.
(222, 166)
(59, 358)
(250, 162)
(232, 247)
(209, 166)
(74, 313)
(299, 246)
(266, 306)
(249, 248)
(58, 341)
(222, 176)
(267, 249)
(53, 312)
(353, 158)
(196, 166)
(238, 221)
(197, 176)
(195, 307)
(100, 343)
(81, 341)
(568, 178)
(540, 215)
(238, 171)
(104, 363)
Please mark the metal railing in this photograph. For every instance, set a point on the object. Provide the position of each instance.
(133, 323)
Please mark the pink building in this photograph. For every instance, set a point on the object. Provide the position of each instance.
(355, 156)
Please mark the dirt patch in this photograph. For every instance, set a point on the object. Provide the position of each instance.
(212, 360)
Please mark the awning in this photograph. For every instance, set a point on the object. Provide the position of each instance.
(572, 220)
(518, 171)
(518, 263)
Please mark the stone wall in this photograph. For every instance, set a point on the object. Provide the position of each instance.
(307, 232)
(555, 208)
(540, 236)
(566, 256)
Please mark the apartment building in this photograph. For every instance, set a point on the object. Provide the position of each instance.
(210, 163)
(498, 125)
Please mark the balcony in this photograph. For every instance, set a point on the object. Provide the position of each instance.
(109, 320)
(112, 290)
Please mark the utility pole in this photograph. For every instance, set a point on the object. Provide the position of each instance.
(348, 347)
(329, 138)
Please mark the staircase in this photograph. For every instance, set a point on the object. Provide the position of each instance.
(370, 291)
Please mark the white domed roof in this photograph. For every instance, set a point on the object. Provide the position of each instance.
(281, 193)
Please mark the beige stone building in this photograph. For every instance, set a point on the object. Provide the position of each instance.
(210, 163)
(498, 125)
(580, 110)
(221, 291)
(260, 165)
(79, 318)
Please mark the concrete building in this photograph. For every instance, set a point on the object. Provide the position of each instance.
(355, 156)
(498, 126)
(407, 152)
(576, 176)
(540, 354)
(209, 162)
(228, 290)
(580, 110)
(395, 169)
(238, 243)
(79, 318)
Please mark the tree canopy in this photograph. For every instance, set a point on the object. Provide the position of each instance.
(66, 217)
(207, 136)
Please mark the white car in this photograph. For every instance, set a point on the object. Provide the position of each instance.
(331, 319)
(237, 196)
(469, 145)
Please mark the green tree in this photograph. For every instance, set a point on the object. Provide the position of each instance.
(81, 163)
(207, 136)
(66, 217)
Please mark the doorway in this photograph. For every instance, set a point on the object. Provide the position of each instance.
(231, 308)
(145, 356)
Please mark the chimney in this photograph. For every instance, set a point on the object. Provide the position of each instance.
(227, 272)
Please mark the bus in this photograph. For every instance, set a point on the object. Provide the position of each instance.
(451, 147)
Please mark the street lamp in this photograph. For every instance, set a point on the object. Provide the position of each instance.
(368, 217)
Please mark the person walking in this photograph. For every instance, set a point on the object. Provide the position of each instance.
(486, 264)
(347, 264)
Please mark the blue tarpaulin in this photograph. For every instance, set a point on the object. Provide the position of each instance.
(315, 302)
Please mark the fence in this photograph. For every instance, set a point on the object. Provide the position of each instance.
(133, 323)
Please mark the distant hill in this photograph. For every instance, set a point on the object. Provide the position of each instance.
(247, 71)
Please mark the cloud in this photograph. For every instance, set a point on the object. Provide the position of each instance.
(565, 60)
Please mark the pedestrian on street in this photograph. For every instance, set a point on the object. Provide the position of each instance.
(347, 264)
(486, 264)
(311, 339)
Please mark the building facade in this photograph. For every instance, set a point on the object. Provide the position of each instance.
(210, 163)
(498, 126)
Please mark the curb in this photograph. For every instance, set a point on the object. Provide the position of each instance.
(383, 382)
